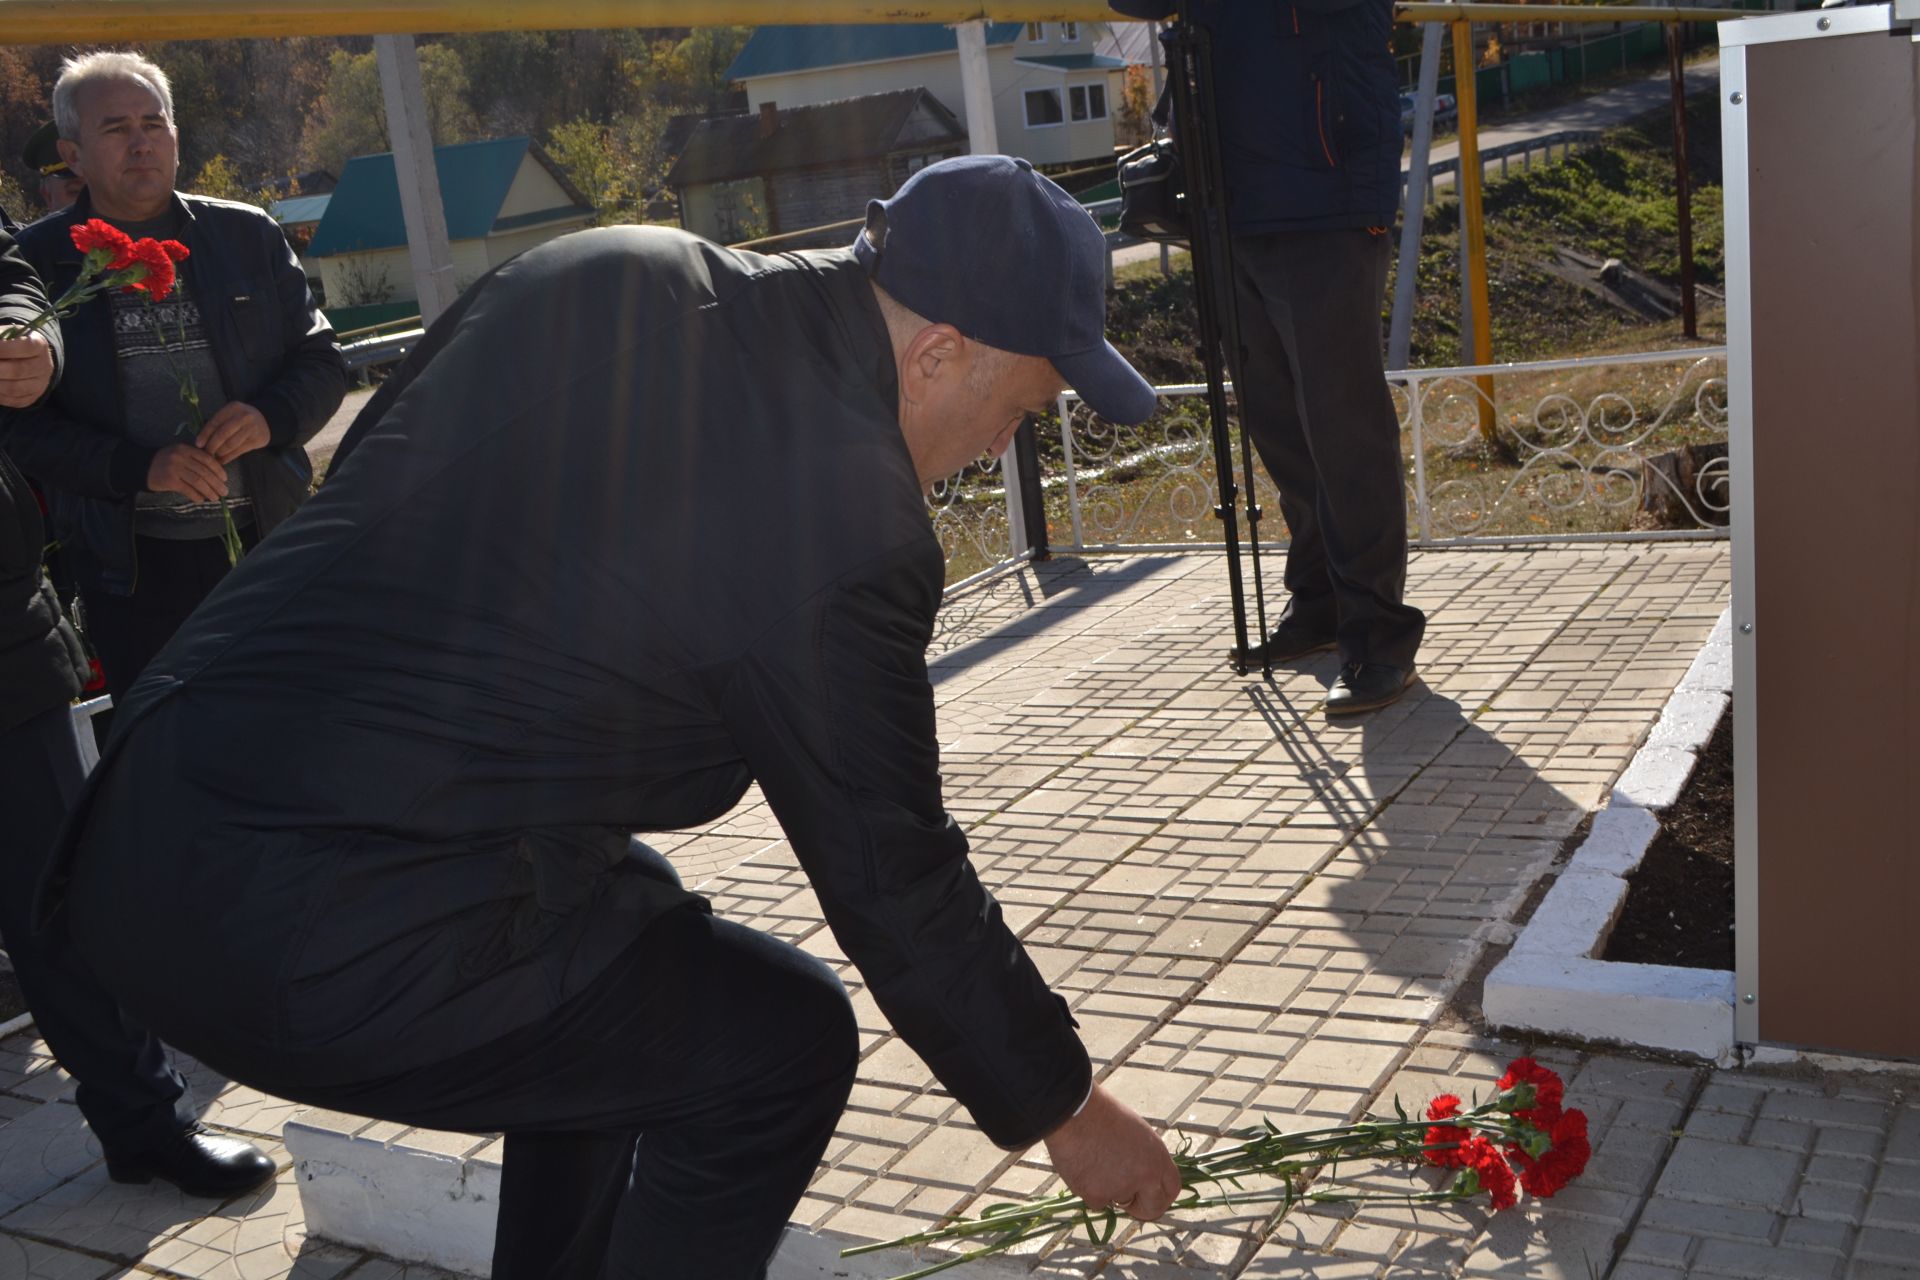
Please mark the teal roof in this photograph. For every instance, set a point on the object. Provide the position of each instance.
(364, 211)
(775, 50)
(1074, 62)
(298, 209)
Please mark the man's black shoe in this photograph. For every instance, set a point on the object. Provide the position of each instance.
(198, 1163)
(1290, 640)
(1366, 686)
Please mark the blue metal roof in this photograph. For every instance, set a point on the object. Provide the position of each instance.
(298, 209)
(776, 50)
(364, 212)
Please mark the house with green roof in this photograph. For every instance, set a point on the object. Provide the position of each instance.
(790, 169)
(501, 196)
(1053, 94)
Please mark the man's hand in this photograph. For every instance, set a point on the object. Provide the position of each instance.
(26, 367)
(235, 430)
(1109, 1156)
(188, 471)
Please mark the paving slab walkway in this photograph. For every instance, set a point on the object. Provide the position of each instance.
(1253, 912)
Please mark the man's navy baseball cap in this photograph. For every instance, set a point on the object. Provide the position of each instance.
(1002, 254)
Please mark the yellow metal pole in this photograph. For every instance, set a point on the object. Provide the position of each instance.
(1466, 101)
(123, 21)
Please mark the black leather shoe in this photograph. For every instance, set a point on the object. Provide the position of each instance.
(1366, 686)
(198, 1163)
(1291, 640)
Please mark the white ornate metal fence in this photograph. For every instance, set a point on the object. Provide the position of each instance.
(1600, 448)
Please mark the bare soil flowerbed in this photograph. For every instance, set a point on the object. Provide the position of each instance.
(1680, 902)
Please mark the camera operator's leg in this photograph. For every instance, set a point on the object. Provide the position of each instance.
(1268, 399)
(1323, 292)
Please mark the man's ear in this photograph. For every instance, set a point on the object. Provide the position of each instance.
(70, 152)
(932, 355)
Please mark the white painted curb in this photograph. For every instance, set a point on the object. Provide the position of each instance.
(417, 1206)
(1550, 981)
(402, 1202)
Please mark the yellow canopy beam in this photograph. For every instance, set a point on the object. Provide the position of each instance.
(1423, 12)
(127, 21)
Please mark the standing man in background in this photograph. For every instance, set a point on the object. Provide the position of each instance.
(1309, 120)
(136, 487)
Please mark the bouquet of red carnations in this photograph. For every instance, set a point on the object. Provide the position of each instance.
(114, 260)
(1522, 1138)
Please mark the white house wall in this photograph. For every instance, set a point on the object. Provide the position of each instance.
(939, 73)
(497, 249)
(533, 191)
(340, 272)
(343, 273)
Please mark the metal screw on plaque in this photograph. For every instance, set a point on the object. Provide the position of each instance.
(1746, 628)
(1749, 997)
(1736, 98)
(1824, 24)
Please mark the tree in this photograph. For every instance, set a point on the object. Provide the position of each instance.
(13, 198)
(350, 118)
(219, 179)
(1133, 122)
(617, 166)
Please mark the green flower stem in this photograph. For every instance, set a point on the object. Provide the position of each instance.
(85, 287)
(190, 396)
(1271, 1154)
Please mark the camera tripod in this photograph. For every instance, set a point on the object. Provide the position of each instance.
(1197, 137)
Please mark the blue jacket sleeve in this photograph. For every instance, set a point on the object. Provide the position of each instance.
(834, 713)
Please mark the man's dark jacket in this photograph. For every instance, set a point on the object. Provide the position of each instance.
(41, 663)
(1309, 109)
(274, 350)
(635, 528)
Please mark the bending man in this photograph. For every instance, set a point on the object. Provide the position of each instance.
(641, 522)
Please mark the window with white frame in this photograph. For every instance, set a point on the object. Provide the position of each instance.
(1088, 101)
(1069, 31)
(1043, 108)
(1036, 33)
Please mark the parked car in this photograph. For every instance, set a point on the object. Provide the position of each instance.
(1445, 110)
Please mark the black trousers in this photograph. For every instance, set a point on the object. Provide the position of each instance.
(1315, 403)
(130, 1095)
(128, 630)
(662, 1124)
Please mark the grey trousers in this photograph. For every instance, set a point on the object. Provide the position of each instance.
(1315, 404)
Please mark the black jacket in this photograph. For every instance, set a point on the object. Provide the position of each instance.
(635, 528)
(1309, 109)
(41, 662)
(274, 350)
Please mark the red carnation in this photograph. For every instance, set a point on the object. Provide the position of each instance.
(1548, 1092)
(94, 236)
(1491, 1173)
(175, 250)
(1446, 1143)
(157, 283)
(96, 678)
(1562, 1162)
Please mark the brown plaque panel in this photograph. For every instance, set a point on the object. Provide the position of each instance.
(1831, 132)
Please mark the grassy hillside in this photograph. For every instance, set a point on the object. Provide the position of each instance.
(1614, 200)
